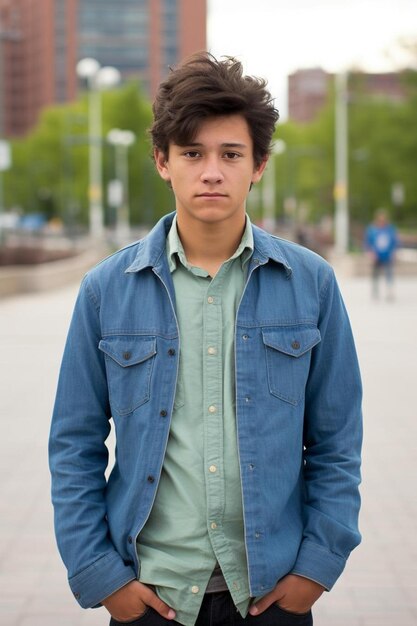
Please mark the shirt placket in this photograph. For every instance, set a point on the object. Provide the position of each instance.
(214, 431)
(213, 405)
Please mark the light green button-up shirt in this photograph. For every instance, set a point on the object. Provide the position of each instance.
(197, 517)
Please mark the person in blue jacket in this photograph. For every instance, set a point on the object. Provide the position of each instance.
(381, 241)
(225, 359)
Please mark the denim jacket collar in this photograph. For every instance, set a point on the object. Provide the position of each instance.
(151, 248)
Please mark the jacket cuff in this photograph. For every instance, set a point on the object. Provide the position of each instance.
(100, 580)
(319, 564)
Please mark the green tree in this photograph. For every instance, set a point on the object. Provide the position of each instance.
(50, 165)
(305, 169)
(128, 109)
(382, 154)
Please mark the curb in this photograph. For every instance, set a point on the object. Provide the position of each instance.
(18, 279)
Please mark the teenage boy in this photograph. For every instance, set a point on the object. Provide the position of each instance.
(225, 358)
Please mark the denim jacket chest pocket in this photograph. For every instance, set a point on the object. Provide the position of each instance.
(129, 362)
(288, 355)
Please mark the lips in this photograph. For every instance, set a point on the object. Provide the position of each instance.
(211, 195)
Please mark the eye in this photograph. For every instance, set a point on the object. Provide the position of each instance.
(191, 154)
(231, 156)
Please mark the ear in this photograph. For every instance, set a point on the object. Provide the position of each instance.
(259, 170)
(161, 163)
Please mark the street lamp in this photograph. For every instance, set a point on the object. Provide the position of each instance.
(268, 187)
(98, 79)
(121, 140)
(341, 166)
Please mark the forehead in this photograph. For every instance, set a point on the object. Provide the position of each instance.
(222, 130)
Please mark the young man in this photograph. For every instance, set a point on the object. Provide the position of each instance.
(225, 357)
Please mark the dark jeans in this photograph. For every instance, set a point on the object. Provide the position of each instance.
(218, 610)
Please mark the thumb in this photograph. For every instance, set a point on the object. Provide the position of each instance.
(263, 603)
(151, 599)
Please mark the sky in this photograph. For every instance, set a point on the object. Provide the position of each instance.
(273, 38)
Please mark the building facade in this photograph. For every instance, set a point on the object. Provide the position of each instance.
(142, 38)
(41, 42)
(308, 90)
(37, 55)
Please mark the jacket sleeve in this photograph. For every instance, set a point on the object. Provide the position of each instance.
(78, 460)
(332, 446)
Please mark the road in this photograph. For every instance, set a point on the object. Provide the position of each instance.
(379, 586)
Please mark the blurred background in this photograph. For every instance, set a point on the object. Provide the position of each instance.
(77, 79)
(74, 73)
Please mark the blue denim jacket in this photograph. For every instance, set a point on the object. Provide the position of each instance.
(298, 412)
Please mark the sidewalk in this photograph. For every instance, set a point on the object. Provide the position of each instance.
(379, 587)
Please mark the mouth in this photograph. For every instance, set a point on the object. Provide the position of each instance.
(211, 195)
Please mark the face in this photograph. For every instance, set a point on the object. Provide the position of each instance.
(211, 176)
(381, 219)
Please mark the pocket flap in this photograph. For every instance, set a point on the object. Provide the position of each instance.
(128, 350)
(293, 340)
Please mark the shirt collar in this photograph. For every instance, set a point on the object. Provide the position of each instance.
(151, 250)
(175, 250)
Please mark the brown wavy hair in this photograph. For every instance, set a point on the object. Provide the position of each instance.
(202, 87)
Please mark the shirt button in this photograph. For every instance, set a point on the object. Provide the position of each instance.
(212, 408)
(213, 525)
(210, 299)
(150, 479)
(212, 350)
(171, 352)
(245, 337)
(296, 345)
(163, 413)
(212, 469)
(195, 589)
(127, 355)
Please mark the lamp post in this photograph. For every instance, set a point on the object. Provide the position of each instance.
(98, 79)
(268, 188)
(121, 140)
(341, 166)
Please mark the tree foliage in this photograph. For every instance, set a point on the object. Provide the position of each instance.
(382, 141)
(50, 168)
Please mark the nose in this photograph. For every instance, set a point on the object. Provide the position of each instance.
(212, 172)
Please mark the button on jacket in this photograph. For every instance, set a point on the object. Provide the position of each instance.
(298, 415)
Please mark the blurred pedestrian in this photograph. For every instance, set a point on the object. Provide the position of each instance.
(381, 242)
(225, 358)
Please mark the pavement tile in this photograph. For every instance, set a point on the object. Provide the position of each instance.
(47, 619)
(397, 618)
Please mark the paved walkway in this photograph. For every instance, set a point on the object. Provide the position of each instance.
(379, 587)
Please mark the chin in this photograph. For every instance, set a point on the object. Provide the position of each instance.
(216, 214)
(211, 217)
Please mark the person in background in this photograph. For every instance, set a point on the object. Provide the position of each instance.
(381, 242)
(225, 358)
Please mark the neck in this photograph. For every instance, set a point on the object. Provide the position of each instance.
(209, 245)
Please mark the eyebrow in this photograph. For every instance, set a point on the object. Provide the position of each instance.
(223, 145)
